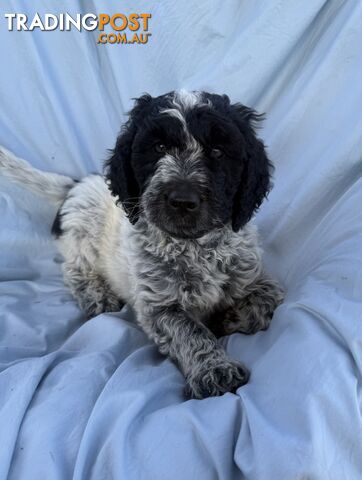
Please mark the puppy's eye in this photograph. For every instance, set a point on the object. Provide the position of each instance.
(160, 148)
(216, 153)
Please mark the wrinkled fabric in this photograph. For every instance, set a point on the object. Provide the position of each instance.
(95, 400)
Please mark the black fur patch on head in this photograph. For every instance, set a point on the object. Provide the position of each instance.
(119, 171)
(128, 168)
(241, 175)
(255, 181)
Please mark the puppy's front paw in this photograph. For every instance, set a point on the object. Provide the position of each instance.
(109, 303)
(216, 378)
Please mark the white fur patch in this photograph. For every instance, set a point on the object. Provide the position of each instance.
(176, 113)
(185, 99)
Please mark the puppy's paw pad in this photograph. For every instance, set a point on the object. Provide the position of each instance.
(215, 380)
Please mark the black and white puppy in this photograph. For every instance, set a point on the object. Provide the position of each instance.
(168, 230)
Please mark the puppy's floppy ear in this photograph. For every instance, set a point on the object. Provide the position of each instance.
(255, 180)
(119, 172)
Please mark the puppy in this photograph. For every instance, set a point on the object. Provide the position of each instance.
(168, 230)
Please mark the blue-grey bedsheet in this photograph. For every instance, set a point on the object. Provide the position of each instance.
(95, 400)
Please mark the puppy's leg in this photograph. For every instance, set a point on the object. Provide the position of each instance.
(254, 311)
(92, 292)
(194, 348)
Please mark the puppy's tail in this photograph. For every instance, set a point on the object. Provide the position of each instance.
(51, 185)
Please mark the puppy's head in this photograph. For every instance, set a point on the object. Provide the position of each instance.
(189, 162)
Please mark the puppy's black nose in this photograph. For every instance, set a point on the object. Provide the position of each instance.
(184, 199)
